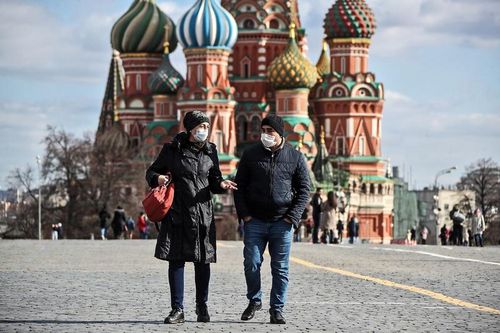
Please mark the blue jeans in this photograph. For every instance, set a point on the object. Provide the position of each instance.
(278, 235)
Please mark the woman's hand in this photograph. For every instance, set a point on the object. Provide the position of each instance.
(163, 180)
(228, 185)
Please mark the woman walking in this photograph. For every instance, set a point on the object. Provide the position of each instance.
(187, 232)
(478, 227)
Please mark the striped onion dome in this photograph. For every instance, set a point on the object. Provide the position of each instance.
(207, 24)
(349, 19)
(141, 29)
(291, 69)
(166, 80)
(323, 64)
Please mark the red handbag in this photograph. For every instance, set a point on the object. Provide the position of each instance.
(158, 201)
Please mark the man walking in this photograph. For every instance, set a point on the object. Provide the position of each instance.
(273, 192)
(316, 203)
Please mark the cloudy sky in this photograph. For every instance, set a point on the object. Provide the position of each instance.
(438, 59)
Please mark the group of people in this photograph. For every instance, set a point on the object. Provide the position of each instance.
(271, 190)
(123, 227)
(56, 231)
(465, 230)
(327, 218)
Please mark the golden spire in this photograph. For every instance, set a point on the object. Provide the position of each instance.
(322, 136)
(325, 45)
(292, 30)
(116, 116)
(166, 43)
(301, 143)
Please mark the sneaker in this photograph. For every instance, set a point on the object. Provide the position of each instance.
(249, 312)
(202, 312)
(276, 317)
(176, 316)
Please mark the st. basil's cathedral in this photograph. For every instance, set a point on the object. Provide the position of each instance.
(246, 59)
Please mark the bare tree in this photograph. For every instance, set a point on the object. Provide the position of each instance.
(483, 177)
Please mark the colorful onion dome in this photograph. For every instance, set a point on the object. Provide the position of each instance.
(141, 29)
(323, 64)
(207, 24)
(291, 69)
(349, 19)
(166, 80)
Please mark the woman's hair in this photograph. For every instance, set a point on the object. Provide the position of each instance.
(331, 198)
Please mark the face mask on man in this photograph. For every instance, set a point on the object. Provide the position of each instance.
(267, 140)
(200, 135)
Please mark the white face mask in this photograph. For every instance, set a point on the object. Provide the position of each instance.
(267, 140)
(200, 135)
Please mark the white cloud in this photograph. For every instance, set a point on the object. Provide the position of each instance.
(429, 136)
(36, 45)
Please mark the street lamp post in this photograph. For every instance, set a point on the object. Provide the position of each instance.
(39, 198)
(435, 197)
(442, 172)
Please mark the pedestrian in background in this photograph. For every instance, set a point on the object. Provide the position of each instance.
(458, 218)
(55, 234)
(142, 226)
(273, 192)
(478, 227)
(130, 227)
(413, 235)
(118, 224)
(443, 235)
(187, 232)
(340, 230)
(316, 202)
(423, 235)
(351, 228)
(103, 221)
(328, 218)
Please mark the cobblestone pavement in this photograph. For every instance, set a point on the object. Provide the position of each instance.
(117, 286)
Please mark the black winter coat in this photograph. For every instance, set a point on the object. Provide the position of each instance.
(187, 233)
(272, 185)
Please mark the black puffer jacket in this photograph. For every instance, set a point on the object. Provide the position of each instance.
(272, 186)
(187, 233)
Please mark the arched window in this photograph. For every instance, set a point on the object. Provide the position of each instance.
(242, 129)
(199, 72)
(245, 68)
(248, 24)
(274, 24)
(357, 65)
(363, 188)
(138, 82)
(362, 146)
(380, 189)
(372, 189)
(255, 125)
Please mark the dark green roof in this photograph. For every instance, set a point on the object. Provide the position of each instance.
(167, 124)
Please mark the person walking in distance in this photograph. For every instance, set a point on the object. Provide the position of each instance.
(187, 232)
(274, 187)
(316, 202)
(103, 221)
(478, 227)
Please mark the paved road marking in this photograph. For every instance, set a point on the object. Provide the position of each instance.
(435, 295)
(438, 255)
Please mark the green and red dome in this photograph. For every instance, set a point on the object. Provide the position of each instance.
(349, 19)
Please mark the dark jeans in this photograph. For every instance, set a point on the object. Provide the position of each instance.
(315, 232)
(478, 238)
(278, 235)
(176, 282)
